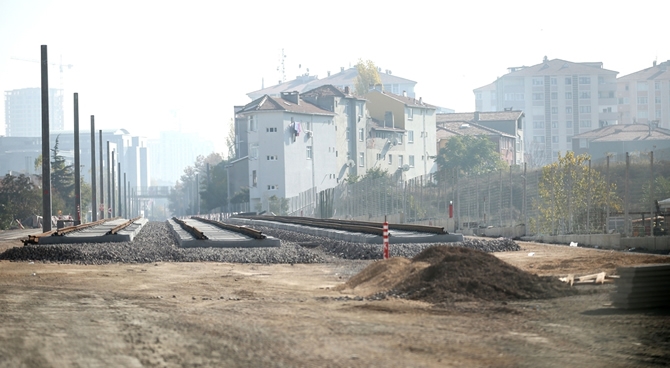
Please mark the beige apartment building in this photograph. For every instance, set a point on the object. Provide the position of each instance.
(644, 96)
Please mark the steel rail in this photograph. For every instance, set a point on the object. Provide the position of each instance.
(305, 221)
(190, 229)
(405, 227)
(122, 226)
(34, 239)
(253, 233)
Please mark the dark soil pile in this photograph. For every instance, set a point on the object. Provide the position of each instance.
(444, 274)
(457, 274)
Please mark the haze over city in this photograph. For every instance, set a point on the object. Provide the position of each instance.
(165, 65)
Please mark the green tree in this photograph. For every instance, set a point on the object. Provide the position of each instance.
(278, 206)
(214, 193)
(470, 154)
(230, 141)
(571, 196)
(661, 191)
(241, 196)
(367, 77)
(20, 197)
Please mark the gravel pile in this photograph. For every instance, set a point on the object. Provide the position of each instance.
(156, 244)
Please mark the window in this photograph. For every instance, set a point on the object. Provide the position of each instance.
(254, 150)
(538, 138)
(658, 114)
(390, 159)
(361, 159)
(583, 143)
(568, 80)
(554, 139)
(273, 187)
(309, 152)
(400, 160)
(554, 124)
(554, 95)
(411, 160)
(585, 94)
(568, 110)
(361, 135)
(254, 179)
(348, 132)
(642, 114)
(538, 124)
(380, 157)
(538, 81)
(410, 136)
(410, 113)
(568, 124)
(641, 86)
(601, 80)
(585, 123)
(657, 85)
(657, 99)
(568, 95)
(538, 96)
(605, 94)
(272, 158)
(271, 130)
(554, 110)
(642, 100)
(554, 81)
(252, 123)
(584, 80)
(568, 139)
(607, 109)
(584, 109)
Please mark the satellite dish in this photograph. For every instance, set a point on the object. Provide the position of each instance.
(405, 167)
(396, 141)
(351, 163)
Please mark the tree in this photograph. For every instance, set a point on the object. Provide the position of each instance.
(230, 141)
(20, 197)
(278, 205)
(214, 193)
(573, 197)
(241, 196)
(367, 77)
(470, 154)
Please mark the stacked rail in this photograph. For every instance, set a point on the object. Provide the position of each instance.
(646, 286)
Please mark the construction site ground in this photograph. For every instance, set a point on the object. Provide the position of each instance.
(247, 315)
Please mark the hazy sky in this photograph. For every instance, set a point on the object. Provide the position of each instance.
(167, 65)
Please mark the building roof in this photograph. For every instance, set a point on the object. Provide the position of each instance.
(307, 82)
(627, 132)
(329, 90)
(269, 103)
(408, 101)
(559, 67)
(657, 71)
(379, 125)
(512, 115)
(469, 128)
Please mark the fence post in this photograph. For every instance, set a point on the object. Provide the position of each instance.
(626, 196)
(588, 201)
(511, 199)
(651, 193)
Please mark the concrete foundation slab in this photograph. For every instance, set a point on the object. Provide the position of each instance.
(98, 234)
(218, 238)
(395, 236)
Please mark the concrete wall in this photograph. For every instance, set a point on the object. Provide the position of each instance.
(608, 241)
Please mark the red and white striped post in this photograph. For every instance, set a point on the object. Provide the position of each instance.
(386, 239)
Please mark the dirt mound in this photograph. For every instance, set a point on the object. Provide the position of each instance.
(446, 274)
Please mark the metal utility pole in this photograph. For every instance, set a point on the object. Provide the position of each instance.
(46, 164)
(119, 211)
(102, 179)
(94, 199)
(109, 178)
(112, 186)
(607, 203)
(626, 196)
(651, 193)
(523, 205)
(77, 164)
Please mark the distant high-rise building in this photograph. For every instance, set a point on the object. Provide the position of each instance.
(560, 99)
(23, 112)
(644, 96)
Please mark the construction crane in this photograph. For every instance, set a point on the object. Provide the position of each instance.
(59, 65)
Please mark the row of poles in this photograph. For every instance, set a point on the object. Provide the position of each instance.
(125, 206)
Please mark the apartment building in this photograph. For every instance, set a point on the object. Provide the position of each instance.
(644, 96)
(560, 99)
(23, 112)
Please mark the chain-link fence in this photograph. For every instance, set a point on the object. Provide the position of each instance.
(579, 197)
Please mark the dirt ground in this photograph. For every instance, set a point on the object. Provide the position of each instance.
(235, 315)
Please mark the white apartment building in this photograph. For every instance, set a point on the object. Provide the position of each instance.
(644, 96)
(23, 112)
(560, 99)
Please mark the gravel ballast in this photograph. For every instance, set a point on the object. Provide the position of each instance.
(155, 243)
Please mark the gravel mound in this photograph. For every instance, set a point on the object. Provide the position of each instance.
(155, 243)
(462, 274)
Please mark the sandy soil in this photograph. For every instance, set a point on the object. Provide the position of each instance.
(215, 314)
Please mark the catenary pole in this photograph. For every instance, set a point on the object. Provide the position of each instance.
(46, 164)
